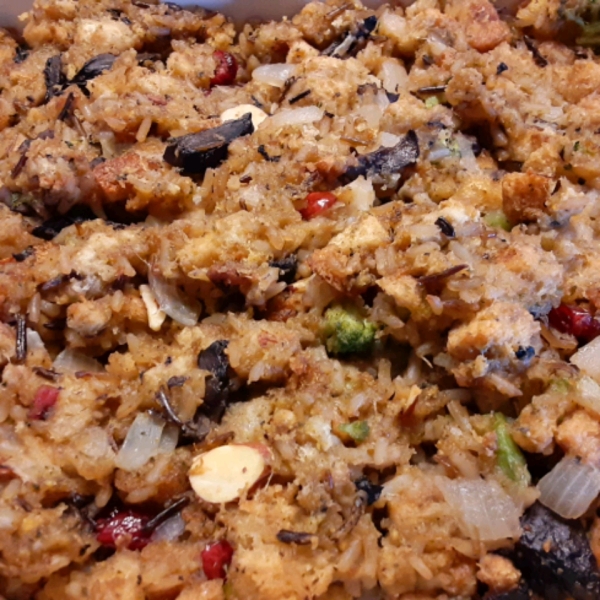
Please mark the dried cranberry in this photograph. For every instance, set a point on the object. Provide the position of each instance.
(124, 523)
(226, 70)
(216, 558)
(45, 399)
(316, 204)
(576, 321)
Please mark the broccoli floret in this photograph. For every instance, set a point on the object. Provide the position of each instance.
(509, 456)
(346, 331)
(585, 14)
(497, 218)
(358, 431)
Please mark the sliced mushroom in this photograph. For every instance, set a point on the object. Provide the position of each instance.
(54, 77)
(196, 152)
(216, 396)
(385, 161)
(94, 67)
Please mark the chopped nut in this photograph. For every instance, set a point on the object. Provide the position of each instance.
(225, 473)
(156, 317)
(258, 115)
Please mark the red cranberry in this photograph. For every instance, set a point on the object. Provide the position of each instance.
(317, 203)
(226, 70)
(216, 558)
(45, 399)
(124, 523)
(576, 321)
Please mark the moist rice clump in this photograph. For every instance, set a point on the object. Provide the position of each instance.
(355, 251)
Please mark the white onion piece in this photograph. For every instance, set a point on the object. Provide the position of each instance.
(371, 113)
(171, 300)
(587, 358)
(171, 530)
(34, 341)
(388, 140)
(468, 160)
(393, 25)
(393, 75)
(296, 116)
(588, 395)
(363, 194)
(487, 511)
(73, 361)
(570, 487)
(169, 439)
(141, 443)
(275, 75)
(9, 518)
(439, 154)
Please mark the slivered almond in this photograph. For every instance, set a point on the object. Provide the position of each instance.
(225, 473)
(258, 115)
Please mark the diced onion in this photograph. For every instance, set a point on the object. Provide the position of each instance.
(487, 511)
(588, 395)
(296, 116)
(388, 140)
(439, 154)
(363, 194)
(275, 75)
(171, 530)
(73, 361)
(9, 518)
(393, 75)
(570, 487)
(371, 113)
(141, 443)
(34, 341)
(587, 358)
(393, 25)
(156, 317)
(171, 300)
(169, 439)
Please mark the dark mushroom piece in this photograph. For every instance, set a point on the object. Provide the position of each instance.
(50, 228)
(196, 152)
(216, 395)
(287, 268)
(22, 54)
(22, 256)
(92, 68)
(371, 491)
(518, 593)
(445, 227)
(385, 161)
(54, 77)
(354, 40)
(555, 557)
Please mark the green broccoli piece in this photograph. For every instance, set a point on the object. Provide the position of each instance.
(497, 218)
(359, 431)
(560, 385)
(510, 458)
(432, 101)
(346, 331)
(585, 14)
